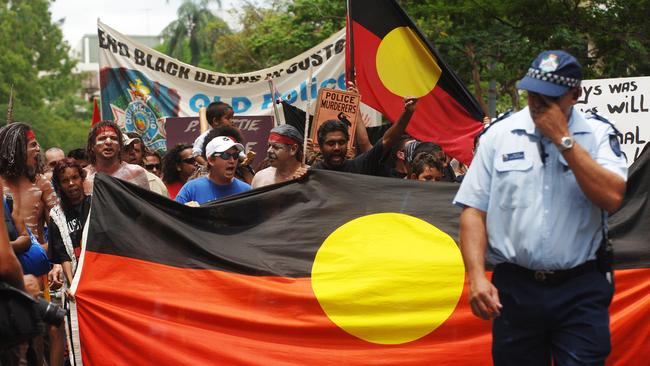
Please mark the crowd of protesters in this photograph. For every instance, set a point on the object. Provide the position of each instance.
(47, 194)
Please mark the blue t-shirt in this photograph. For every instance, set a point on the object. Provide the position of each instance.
(203, 190)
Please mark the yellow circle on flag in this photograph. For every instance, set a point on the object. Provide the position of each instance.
(405, 65)
(388, 278)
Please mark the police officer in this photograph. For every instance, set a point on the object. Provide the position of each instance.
(535, 201)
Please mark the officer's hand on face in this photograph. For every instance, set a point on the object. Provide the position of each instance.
(484, 299)
(548, 117)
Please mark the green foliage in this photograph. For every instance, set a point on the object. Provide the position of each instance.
(272, 35)
(192, 36)
(35, 61)
(481, 40)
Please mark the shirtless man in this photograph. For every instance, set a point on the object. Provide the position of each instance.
(104, 149)
(24, 184)
(32, 199)
(284, 155)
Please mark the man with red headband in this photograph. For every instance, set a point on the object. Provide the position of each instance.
(30, 197)
(104, 149)
(284, 155)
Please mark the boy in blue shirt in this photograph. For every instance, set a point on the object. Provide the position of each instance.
(222, 153)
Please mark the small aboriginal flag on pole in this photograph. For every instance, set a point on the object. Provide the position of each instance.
(339, 269)
(96, 116)
(389, 58)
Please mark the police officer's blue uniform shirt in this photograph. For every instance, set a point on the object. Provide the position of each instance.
(537, 215)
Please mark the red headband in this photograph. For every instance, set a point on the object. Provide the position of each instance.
(274, 137)
(30, 135)
(106, 129)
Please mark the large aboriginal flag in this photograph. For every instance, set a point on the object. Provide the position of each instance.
(389, 58)
(338, 269)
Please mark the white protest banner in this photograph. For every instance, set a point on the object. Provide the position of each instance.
(140, 86)
(626, 103)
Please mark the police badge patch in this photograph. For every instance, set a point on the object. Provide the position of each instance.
(549, 63)
(615, 145)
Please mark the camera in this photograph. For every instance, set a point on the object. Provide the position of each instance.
(51, 314)
(22, 317)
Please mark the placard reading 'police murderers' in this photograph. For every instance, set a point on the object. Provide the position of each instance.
(336, 104)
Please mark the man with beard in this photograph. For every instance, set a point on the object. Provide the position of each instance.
(104, 149)
(222, 154)
(284, 155)
(31, 194)
(333, 140)
(32, 197)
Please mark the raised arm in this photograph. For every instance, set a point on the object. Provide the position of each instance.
(393, 134)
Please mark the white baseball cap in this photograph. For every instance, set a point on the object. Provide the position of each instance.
(220, 144)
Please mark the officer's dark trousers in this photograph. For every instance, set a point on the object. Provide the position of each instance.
(566, 322)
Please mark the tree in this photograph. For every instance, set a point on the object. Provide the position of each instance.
(35, 61)
(279, 32)
(195, 30)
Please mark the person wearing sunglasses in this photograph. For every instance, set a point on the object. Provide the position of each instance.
(133, 152)
(177, 166)
(222, 154)
(152, 162)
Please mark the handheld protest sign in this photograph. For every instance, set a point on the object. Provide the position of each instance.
(336, 104)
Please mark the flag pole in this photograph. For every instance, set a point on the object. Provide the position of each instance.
(307, 111)
(350, 43)
(275, 107)
(10, 106)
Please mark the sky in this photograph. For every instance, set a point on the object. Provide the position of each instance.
(130, 17)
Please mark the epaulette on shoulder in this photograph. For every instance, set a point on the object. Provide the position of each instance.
(499, 118)
(591, 114)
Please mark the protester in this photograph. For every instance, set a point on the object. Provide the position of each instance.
(104, 148)
(426, 167)
(217, 114)
(284, 156)
(28, 191)
(222, 154)
(80, 156)
(66, 224)
(244, 171)
(19, 238)
(52, 155)
(133, 154)
(31, 195)
(333, 138)
(177, 166)
(534, 200)
(396, 165)
(152, 162)
(12, 274)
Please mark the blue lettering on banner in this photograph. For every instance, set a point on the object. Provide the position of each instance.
(327, 82)
(198, 101)
(291, 96)
(342, 81)
(241, 104)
